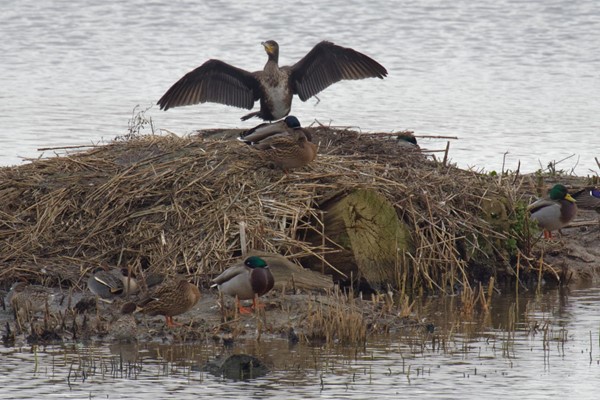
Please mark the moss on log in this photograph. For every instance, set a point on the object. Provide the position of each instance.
(371, 238)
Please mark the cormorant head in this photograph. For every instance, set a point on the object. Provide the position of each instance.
(292, 122)
(255, 262)
(271, 47)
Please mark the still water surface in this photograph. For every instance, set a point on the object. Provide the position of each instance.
(529, 347)
(502, 75)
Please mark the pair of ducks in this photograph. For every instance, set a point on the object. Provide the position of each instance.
(243, 281)
(559, 208)
(284, 144)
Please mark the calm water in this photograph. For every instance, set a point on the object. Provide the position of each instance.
(501, 75)
(533, 347)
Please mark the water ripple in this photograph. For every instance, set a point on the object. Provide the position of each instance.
(501, 75)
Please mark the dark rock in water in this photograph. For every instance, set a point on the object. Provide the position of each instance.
(237, 367)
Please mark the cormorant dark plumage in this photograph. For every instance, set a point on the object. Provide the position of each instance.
(219, 82)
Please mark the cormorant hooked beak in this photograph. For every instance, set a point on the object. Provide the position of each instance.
(267, 47)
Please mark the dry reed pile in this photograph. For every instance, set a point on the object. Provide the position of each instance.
(190, 204)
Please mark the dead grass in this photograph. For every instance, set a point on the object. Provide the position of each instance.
(171, 203)
(335, 320)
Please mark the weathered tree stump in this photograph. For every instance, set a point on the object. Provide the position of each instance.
(371, 238)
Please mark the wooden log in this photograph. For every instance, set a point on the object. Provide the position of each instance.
(371, 237)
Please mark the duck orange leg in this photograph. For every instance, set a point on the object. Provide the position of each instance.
(170, 322)
(242, 309)
(256, 303)
(547, 234)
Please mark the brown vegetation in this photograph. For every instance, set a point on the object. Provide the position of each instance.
(193, 204)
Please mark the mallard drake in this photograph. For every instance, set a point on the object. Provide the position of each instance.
(169, 299)
(291, 275)
(407, 140)
(124, 329)
(246, 281)
(27, 298)
(284, 143)
(219, 82)
(269, 129)
(588, 198)
(109, 284)
(555, 211)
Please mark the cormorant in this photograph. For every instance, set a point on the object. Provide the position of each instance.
(219, 82)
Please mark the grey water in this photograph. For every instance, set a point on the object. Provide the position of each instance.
(515, 81)
(533, 346)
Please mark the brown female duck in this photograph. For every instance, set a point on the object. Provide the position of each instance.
(26, 298)
(171, 298)
(219, 82)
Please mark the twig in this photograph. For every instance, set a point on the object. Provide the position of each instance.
(446, 153)
(83, 146)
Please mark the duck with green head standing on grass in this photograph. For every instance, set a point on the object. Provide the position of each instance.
(555, 211)
(246, 281)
